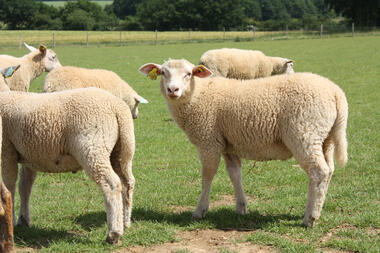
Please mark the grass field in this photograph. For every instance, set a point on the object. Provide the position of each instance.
(62, 3)
(68, 213)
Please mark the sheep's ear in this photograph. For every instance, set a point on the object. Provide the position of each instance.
(151, 70)
(8, 72)
(141, 100)
(201, 71)
(42, 49)
(31, 49)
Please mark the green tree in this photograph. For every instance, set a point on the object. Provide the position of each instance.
(123, 8)
(18, 14)
(363, 13)
(190, 14)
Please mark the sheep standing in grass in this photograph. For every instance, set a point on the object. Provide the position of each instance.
(302, 115)
(244, 64)
(6, 215)
(67, 131)
(32, 66)
(73, 77)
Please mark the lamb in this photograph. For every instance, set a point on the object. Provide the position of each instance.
(302, 115)
(68, 131)
(32, 66)
(244, 64)
(74, 77)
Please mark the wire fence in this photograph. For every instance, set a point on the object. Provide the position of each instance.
(120, 38)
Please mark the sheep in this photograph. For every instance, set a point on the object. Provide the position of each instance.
(32, 66)
(68, 131)
(6, 217)
(244, 64)
(74, 77)
(274, 118)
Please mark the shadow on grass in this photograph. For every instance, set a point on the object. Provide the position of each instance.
(38, 238)
(222, 218)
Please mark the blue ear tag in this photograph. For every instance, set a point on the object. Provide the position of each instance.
(9, 72)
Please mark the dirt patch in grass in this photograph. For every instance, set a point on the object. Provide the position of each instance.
(207, 241)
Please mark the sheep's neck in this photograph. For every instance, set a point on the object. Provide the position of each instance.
(33, 63)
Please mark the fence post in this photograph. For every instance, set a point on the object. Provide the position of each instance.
(87, 40)
(353, 29)
(224, 33)
(156, 37)
(53, 40)
(286, 31)
(19, 41)
(321, 32)
(189, 34)
(120, 38)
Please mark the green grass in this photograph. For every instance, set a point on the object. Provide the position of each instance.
(68, 213)
(62, 3)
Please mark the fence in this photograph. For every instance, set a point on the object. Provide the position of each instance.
(119, 38)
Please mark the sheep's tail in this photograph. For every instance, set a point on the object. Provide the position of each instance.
(126, 135)
(339, 129)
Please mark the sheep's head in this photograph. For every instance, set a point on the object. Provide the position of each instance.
(282, 66)
(133, 103)
(177, 76)
(6, 73)
(47, 57)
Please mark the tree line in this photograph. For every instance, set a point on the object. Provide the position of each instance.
(186, 14)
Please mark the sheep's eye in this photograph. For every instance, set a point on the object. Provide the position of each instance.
(188, 74)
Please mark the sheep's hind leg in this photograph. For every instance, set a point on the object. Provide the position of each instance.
(233, 165)
(98, 167)
(210, 163)
(124, 171)
(27, 177)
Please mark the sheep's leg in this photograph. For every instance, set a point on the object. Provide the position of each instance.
(233, 165)
(318, 171)
(9, 171)
(98, 167)
(328, 151)
(210, 163)
(27, 177)
(6, 223)
(128, 184)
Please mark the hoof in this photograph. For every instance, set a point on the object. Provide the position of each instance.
(241, 208)
(22, 222)
(199, 214)
(308, 221)
(113, 238)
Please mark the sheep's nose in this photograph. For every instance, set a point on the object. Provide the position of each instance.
(172, 90)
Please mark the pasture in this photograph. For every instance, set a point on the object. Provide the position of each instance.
(68, 213)
(62, 3)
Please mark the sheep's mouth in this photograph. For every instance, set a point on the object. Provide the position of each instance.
(173, 96)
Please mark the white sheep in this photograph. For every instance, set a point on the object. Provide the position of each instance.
(302, 115)
(32, 66)
(74, 77)
(244, 64)
(68, 131)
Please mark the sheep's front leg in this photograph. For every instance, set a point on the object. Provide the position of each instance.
(27, 177)
(210, 163)
(233, 165)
